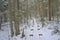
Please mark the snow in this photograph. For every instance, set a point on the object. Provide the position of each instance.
(36, 30)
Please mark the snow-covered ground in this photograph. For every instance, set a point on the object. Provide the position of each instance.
(35, 29)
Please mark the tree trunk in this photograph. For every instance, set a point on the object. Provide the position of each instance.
(16, 17)
(10, 16)
(42, 12)
(0, 23)
(49, 10)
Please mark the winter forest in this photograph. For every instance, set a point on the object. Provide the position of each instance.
(29, 19)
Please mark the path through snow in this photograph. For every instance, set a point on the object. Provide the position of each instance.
(45, 33)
